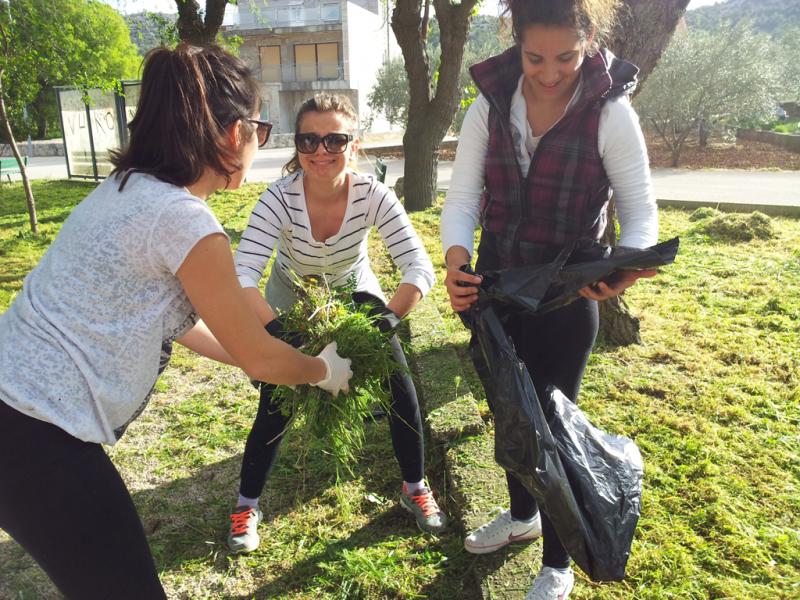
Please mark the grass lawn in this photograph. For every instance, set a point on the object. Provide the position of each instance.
(712, 398)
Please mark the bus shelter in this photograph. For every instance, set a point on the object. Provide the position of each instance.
(94, 123)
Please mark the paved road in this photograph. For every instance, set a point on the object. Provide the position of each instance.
(774, 191)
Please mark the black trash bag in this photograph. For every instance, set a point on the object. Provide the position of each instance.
(542, 288)
(587, 482)
(605, 475)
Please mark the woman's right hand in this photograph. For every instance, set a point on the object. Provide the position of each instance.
(461, 287)
(338, 372)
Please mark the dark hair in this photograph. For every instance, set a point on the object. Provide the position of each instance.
(585, 16)
(188, 97)
(320, 103)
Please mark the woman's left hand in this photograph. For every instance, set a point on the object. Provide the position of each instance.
(621, 281)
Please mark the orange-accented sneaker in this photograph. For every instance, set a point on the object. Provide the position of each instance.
(426, 511)
(244, 524)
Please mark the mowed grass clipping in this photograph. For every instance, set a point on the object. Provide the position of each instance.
(712, 398)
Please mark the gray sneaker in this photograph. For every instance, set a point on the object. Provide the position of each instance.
(244, 525)
(551, 584)
(426, 511)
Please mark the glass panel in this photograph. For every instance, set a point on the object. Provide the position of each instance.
(131, 99)
(270, 63)
(305, 57)
(76, 132)
(328, 61)
(105, 133)
(330, 12)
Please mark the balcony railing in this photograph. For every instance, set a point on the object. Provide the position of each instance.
(286, 16)
(294, 72)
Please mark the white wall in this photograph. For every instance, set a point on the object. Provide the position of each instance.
(365, 42)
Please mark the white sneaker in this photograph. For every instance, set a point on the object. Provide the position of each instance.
(502, 531)
(551, 584)
(243, 536)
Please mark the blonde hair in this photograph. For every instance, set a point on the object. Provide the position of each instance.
(590, 18)
(323, 103)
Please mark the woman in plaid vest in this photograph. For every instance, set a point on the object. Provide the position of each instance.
(550, 135)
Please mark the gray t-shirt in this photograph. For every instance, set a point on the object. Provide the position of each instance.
(85, 339)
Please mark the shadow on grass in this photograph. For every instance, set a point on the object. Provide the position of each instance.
(186, 522)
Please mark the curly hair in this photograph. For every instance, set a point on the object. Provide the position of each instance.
(588, 17)
(323, 103)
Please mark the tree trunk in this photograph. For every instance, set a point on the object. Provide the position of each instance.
(22, 170)
(40, 107)
(618, 326)
(429, 113)
(644, 30)
(421, 151)
(196, 28)
(703, 131)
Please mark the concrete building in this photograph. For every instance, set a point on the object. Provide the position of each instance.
(300, 47)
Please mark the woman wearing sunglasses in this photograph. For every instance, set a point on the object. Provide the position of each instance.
(135, 267)
(318, 217)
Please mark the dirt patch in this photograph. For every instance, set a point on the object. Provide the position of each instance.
(717, 155)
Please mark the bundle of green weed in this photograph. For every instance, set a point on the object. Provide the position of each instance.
(335, 425)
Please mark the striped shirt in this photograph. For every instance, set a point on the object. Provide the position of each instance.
(280, 221)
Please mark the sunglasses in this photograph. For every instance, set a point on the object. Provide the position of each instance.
(263, 129)
(335, 143)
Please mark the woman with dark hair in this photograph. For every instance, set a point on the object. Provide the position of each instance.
(136, 266)
(318, 218)
(549, 136)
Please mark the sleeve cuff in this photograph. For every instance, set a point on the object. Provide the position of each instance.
(247, 282)
(422, 281)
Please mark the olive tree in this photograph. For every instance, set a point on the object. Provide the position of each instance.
(721, 77)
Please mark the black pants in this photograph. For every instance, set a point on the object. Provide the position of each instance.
(405, 424)
(64, 502)
(555, 348)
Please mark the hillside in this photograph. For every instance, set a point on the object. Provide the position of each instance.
(770, 16)
(150, 30)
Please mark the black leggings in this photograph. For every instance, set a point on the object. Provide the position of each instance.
(555, 348)
(405, 424)
(64, 502)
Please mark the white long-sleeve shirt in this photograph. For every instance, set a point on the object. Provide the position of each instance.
(280, 220)
(621, 146)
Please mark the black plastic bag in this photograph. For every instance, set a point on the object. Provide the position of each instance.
(589, 483)
(542, 288)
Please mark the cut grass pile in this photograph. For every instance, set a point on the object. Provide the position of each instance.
(336, 425)
(712, 398)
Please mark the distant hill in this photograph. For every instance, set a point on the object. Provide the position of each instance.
(150, 30)
(770, 16)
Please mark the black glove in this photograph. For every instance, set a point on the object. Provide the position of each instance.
(277, 329)
(382, 317)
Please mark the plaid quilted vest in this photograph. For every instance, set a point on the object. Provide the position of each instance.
(528, 219)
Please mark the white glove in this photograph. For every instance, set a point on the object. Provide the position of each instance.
(337, 374)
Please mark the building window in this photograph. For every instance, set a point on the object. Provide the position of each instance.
(316, 61)
(330, 12)
(270, 63)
